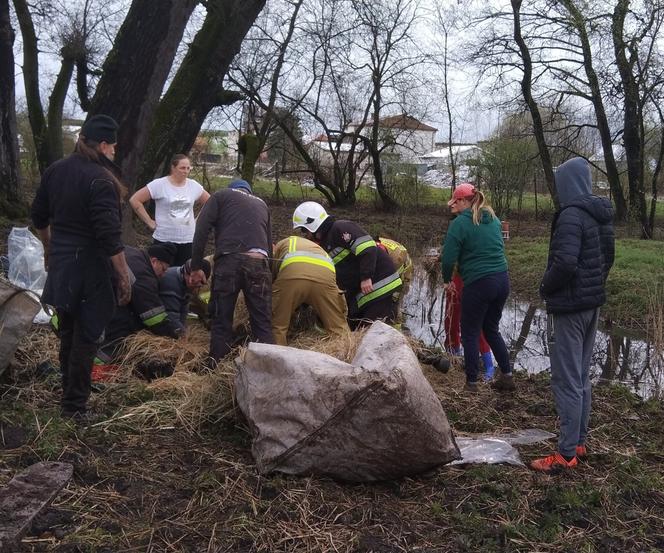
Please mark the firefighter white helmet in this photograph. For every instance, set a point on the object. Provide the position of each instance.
(309, 215)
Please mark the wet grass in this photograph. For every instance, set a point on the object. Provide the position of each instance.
(162, 487)
(165, 488)
(636, 276)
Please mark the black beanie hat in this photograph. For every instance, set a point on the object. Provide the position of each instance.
(100, 128)
(163, 252)
(205, 267)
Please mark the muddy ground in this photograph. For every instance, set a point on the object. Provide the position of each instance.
(165, 488)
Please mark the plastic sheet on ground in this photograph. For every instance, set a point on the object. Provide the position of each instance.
(26, 265)
(498, 449)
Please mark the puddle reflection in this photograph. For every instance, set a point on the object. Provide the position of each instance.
(618, 355)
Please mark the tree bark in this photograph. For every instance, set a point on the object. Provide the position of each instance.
(133, 77)
(632, 120)
(612, 174)
(31, 82)
(526, 89)
(54, 113)
(197, 85)
(250, 148)
(9, 160)
(134, 73)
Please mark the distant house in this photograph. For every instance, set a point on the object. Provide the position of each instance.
(441, 158)
(404, 137)
(216, 146)
(323, 150)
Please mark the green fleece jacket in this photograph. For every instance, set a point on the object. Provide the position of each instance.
(478, 249)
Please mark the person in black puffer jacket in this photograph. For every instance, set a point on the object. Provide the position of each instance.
(581, 253)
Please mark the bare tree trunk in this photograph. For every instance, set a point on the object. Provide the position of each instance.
(526, 88)
(612, 175)
(135, 71)
(249, 147)
(632, 118)
(9, 161)
(133, 78)
(448, 109)
(31, 82)
(658, 168)
(55, 106)
(374, 150)
(197, 86)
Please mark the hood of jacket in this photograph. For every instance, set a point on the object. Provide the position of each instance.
(600, 208)
(574, 187)
(573, 180)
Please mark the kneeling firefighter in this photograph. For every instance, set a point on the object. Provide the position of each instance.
(364, 272)
(304, 274)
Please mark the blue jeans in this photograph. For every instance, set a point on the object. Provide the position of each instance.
(481, 309)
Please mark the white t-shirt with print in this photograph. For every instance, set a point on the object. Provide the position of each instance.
(174, 209)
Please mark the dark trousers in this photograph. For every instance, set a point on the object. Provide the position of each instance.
(232, 273)
(481, 310)
(384, 308)
(76, 357)
(182, 254)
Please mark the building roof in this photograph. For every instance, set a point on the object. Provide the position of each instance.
(444, 153)
(402, 121)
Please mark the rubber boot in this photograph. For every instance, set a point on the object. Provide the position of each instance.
(489, 368)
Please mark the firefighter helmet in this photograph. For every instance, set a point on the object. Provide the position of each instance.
(309, 215)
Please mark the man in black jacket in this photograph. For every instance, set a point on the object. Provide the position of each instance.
(77, 213)
(364, 272)
(243, 238)
(581, 253)
(146, 309)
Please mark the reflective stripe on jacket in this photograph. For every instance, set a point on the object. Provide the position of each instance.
(300, 252)
(381, 288)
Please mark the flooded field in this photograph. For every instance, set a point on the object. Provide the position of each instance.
(619, 355)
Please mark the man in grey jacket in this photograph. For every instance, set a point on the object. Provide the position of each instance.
(178, 286)
(581, 253)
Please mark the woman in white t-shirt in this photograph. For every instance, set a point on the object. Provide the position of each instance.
(174, 197)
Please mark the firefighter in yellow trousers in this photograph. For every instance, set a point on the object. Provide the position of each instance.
(304, 274)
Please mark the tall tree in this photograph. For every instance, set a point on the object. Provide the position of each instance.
(46, 127)
(634, 69)
(9, 163)
(578, 23)
(526, 89)
(197, 85)
(134, 73)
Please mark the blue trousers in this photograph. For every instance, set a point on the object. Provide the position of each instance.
(481, 309)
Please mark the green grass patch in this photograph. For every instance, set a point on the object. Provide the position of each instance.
(636, 276)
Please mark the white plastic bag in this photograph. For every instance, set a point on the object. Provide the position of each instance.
(26, 260)
(26, 264)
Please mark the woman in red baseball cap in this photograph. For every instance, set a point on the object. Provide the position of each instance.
(474, 243)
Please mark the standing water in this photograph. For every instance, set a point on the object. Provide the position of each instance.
(619, 355)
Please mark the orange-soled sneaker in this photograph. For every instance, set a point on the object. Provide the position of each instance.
(581, 452)
(553, 464)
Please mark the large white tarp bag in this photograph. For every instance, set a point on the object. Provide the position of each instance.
(374, 419)
(17, 309)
